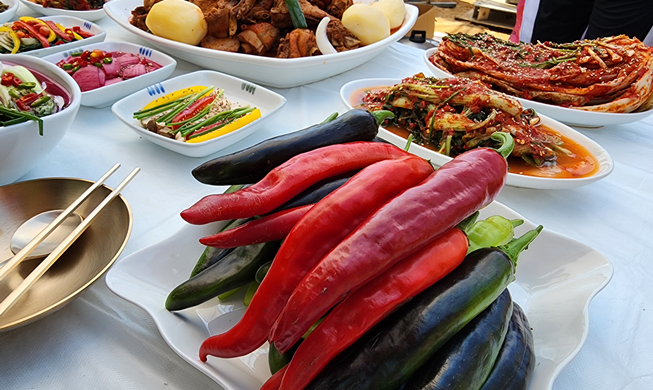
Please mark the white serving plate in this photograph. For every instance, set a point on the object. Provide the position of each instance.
(275, 72)
(10, 12)
(237, 90)
(570, 116)
(557, 277)
(92, 15)
(104, 96)
(606, 164)
(70, 21)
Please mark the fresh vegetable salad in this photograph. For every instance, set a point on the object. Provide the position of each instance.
(25, 97)
(93, 69)
(195, 114)
(27, 33)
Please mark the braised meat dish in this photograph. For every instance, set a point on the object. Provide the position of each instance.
(264, 27)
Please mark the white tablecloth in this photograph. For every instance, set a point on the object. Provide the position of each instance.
(100, 341)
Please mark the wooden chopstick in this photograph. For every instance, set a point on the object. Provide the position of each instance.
(12, 298)
(23, 253)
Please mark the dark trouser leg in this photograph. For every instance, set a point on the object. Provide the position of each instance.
(631, 17)
(562, 21)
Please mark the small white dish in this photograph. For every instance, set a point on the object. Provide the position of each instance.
(569, 116)
(235, 89)
(69, 21)
(606, 165)
(109, 94)
(557, 277)
(91, 15)
(274, 72)
(10, 12)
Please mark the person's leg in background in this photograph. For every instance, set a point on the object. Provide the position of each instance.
(630, 17)
(562, 20)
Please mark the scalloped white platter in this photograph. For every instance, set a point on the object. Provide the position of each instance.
(235, 89)
(606, 165)
(92, 15)
(274, 72)
(570, 116)
(557, 277)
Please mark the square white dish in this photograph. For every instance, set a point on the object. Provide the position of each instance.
(235, 89)
(570, 116)
(70, 21)
(274, 72)
(92, 15)
(557, 277)
(104, 96)
(606, 164)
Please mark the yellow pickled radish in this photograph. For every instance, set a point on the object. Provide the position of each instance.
(233, 126)
(174, 96)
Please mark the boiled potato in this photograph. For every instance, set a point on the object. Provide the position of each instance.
(369, 24)
(395, 10)
(178, 20)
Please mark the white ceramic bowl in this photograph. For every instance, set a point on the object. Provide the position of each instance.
(606, 165)
(107, 95)
(235, 89)
(69, 21)
(21, 146)
(91, 15)
(570, 116)
(10, 12)
(275, 72)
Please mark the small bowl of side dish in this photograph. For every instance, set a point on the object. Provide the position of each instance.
(569, 116)
(88, 32)
(22, 147)
(156, 65)
(234, 89)
(91, 15)
(351, 93)
(83, 263)
(269, 71)
(9, 13)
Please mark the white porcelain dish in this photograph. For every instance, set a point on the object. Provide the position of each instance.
(606, 165)
(70, 21)
(237, 90)
(22, 147)
(570, 116)
(10, 12)
(557, 277)
(274, 72)
(109, 94)
(92, 15)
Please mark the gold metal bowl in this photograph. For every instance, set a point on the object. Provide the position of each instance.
(81, 265)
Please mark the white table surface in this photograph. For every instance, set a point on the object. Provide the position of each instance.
(100, 341)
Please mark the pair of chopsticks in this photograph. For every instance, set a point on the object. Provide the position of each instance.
(12, 298)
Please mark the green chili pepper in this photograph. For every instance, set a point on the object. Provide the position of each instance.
(26, 85)
(67, 66)
(249, 294)
(107, 60)
(40, 101)
(76, 54)
(493, 231)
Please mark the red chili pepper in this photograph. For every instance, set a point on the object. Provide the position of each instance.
(315, 235)
(8, 79)
(34, 32)
(274, 381)
(405, 224)
(348, 321)
(272, 227)
(193, 110)
(63, 35)
(288, 180)
(81, 32)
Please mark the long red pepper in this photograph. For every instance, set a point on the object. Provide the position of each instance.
(192, 110)
(272, 227)
(460, 187)
(34, 32)
(274, 381)
(316, 234)
(371, 303)
(288, 180)
(63, 35)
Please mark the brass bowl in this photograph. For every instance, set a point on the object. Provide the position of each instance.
(81, 265)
